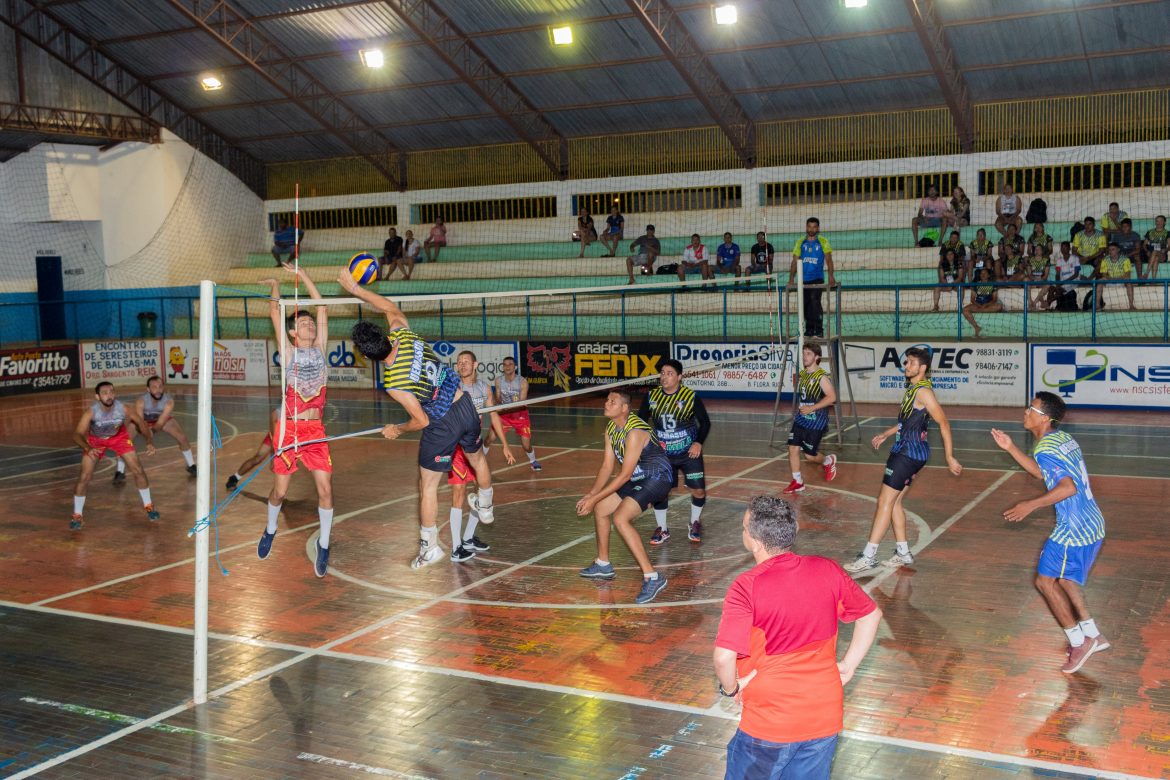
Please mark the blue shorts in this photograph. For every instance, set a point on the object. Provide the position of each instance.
(692, 269)
(1066, 561)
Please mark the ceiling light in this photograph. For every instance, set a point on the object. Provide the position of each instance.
(855, 3)
(561, 36)
(211, 83)
(726, 14)
(372, 58)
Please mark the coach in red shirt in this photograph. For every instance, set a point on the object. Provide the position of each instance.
(776, 651)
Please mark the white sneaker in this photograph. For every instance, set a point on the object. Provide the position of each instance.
(898, 559)
(486, 514)
(427, 554)
(861, 564)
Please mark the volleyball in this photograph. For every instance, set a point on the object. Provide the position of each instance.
(363, 268)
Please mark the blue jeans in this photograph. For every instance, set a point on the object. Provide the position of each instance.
(749, 758)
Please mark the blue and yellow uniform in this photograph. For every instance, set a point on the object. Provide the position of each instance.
(911, 449)
(679, 420)
(812, 254)
(651, 480)
(1080, 527)
(807, 429)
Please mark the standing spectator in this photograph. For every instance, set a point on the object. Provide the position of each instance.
(391, 254)
(1155, 244)
(694, 260)
(760, 261)
(816, 258)
(410, 252)
(984, 299)
(586, 232)
(1007, 210)
(1089, 244)
(645, 250)
(981, 254)
(1039, 266)
(1111, 222)
(932, 214)
(285, 241)
(1067, 269)
(615, 228)
(960, 208)
(1115, 265)
(954, 244)
(728, 254)
(435, 241)
(1039, 238)
(776, 650)
(1130, 243)
(951, 271)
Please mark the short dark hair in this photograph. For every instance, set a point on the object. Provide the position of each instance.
(1090, 219)
(1113, 244)
(467, 352)
(290, 321)
(771, 522)
(507, 358)
(672, 363)
(370, 340)
(815, 346)
(1114, 203)
(624, 393)
(97, 390)
(1052, 405)
(920, 354)
(153, 378)
(695, 235)
(1127, 221)
(813, 220)
(956, 234)
(649, 227)
(1160, 216)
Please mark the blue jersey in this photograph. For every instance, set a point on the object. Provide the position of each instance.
(1079, 521)
(809, 392)
(728, 253)
(913, 423)
(811, 253)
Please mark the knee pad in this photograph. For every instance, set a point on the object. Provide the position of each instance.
(698, 501)
(663, 504)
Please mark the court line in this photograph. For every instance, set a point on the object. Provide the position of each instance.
(366, 768)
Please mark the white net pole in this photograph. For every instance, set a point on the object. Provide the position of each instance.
(203, 483)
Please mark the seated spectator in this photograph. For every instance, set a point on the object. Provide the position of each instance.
(410, 251)
(1011, 239)
(984, 300)
(933, 215)
(435, 241)
(1008, 210)
(645, 250)
(615, 225)
(960, 208)
(1130, 243)
(1111, 222)
(1067, 267)
(981, 254)
(391, 254)
(1039, 238)
(951, 271)
(586, 232)
(954, 244)
(285, 241)
(760, 261)
(1154, 247)
(1013, 267)
(1039, 266)
(694, 260)
(728, 257)
(1089, 245)
(1114, 265)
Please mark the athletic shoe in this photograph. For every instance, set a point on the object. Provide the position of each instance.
(232, 482)
(427, 554)
(486, 513)
(1078, 655)
(264, 546)
(119, 477)
(191, 470)
(76, 524)
(535, 465)
(830, 468)
(476, 544)
(461, 554)
(321, 567)
(695, 534)
(794, 487)
(151, 513)
(659, 536)
(861, 564)
(898, 559)
(596, 571)
(651, 587)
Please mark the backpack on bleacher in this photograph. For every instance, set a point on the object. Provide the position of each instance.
(1067, 301)
(1037, 212)
(668, 269)
(1078, 227)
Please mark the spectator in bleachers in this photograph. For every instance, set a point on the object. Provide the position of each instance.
(1039, 266)
(933, 215)
(760, 261)
(285, 241)
(984, 300)
(1011, 239)
(615, 228)
(695, 260)
(1154, 247)
(1012, 265)
(1111, 222)
(435, 241)
(586, 231)
(815, 257)
(1115, 265)
(728, 257)
(1008, 210)
(646, 249)
(981, 254)
(951, 271)
(1039, 238)
(1089, 245)
(391, 254)
(410, 252)
(954, 244)
(1067, 268)
(1130, 243)
(960, 208)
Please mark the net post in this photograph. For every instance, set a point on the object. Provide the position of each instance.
(203, 485)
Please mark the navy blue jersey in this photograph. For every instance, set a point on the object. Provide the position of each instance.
(809, 392)
(679, 419)
(652, 460)
(912, 425)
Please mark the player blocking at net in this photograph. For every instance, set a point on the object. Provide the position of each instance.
(815, 396)
(431, 394)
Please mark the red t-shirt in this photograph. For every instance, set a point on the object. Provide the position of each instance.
(780, 618)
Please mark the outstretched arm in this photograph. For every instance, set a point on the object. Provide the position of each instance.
(274, 313)
(395, 319)
(1005, 443)
(322, 341)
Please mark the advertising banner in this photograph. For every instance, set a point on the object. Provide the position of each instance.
(982, 374)
(347, 367)
(759, 374)
(236, 362)
(559, 366)
(1127, 376)
(37, 369)
(128, 363)
(489, 356)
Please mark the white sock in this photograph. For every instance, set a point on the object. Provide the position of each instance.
(797, 477)
(472, 522)
(121, 467)
(695, 512)
(145, 493)
(902, 548)
(237, 476)
(456, 526)
(326, 518)
(651, 576)
(660, 516)
(431, 535)
(531, 456)
(188, 457)
(870, 549)
(485, 450)
(1076, 637)
(485, 496)
(830, 460)
(600, 562)
(1089, 628)
(273, 513)
(78, 504)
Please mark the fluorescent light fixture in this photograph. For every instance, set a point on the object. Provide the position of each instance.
(372, 58)
(561, 36)
(855, 3)
(726, 14)
(210, 83)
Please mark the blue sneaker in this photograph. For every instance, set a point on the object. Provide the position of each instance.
(264, 546)
(651, 587)
(151, 513)
(598, 572)
(321, 567)
(76, 524)
(536, 465)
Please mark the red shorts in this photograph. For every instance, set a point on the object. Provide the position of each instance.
(267, 441)
(120, 443)
(518, 421)
(461, 472)
(314, 456)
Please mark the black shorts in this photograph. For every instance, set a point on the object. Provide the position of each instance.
(645, 491)
(692, 470)
(460, 426)
(807, 439)
(900, 471)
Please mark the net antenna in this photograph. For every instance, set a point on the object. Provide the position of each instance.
(283, 345)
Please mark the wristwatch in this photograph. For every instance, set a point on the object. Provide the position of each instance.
(729, 694)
